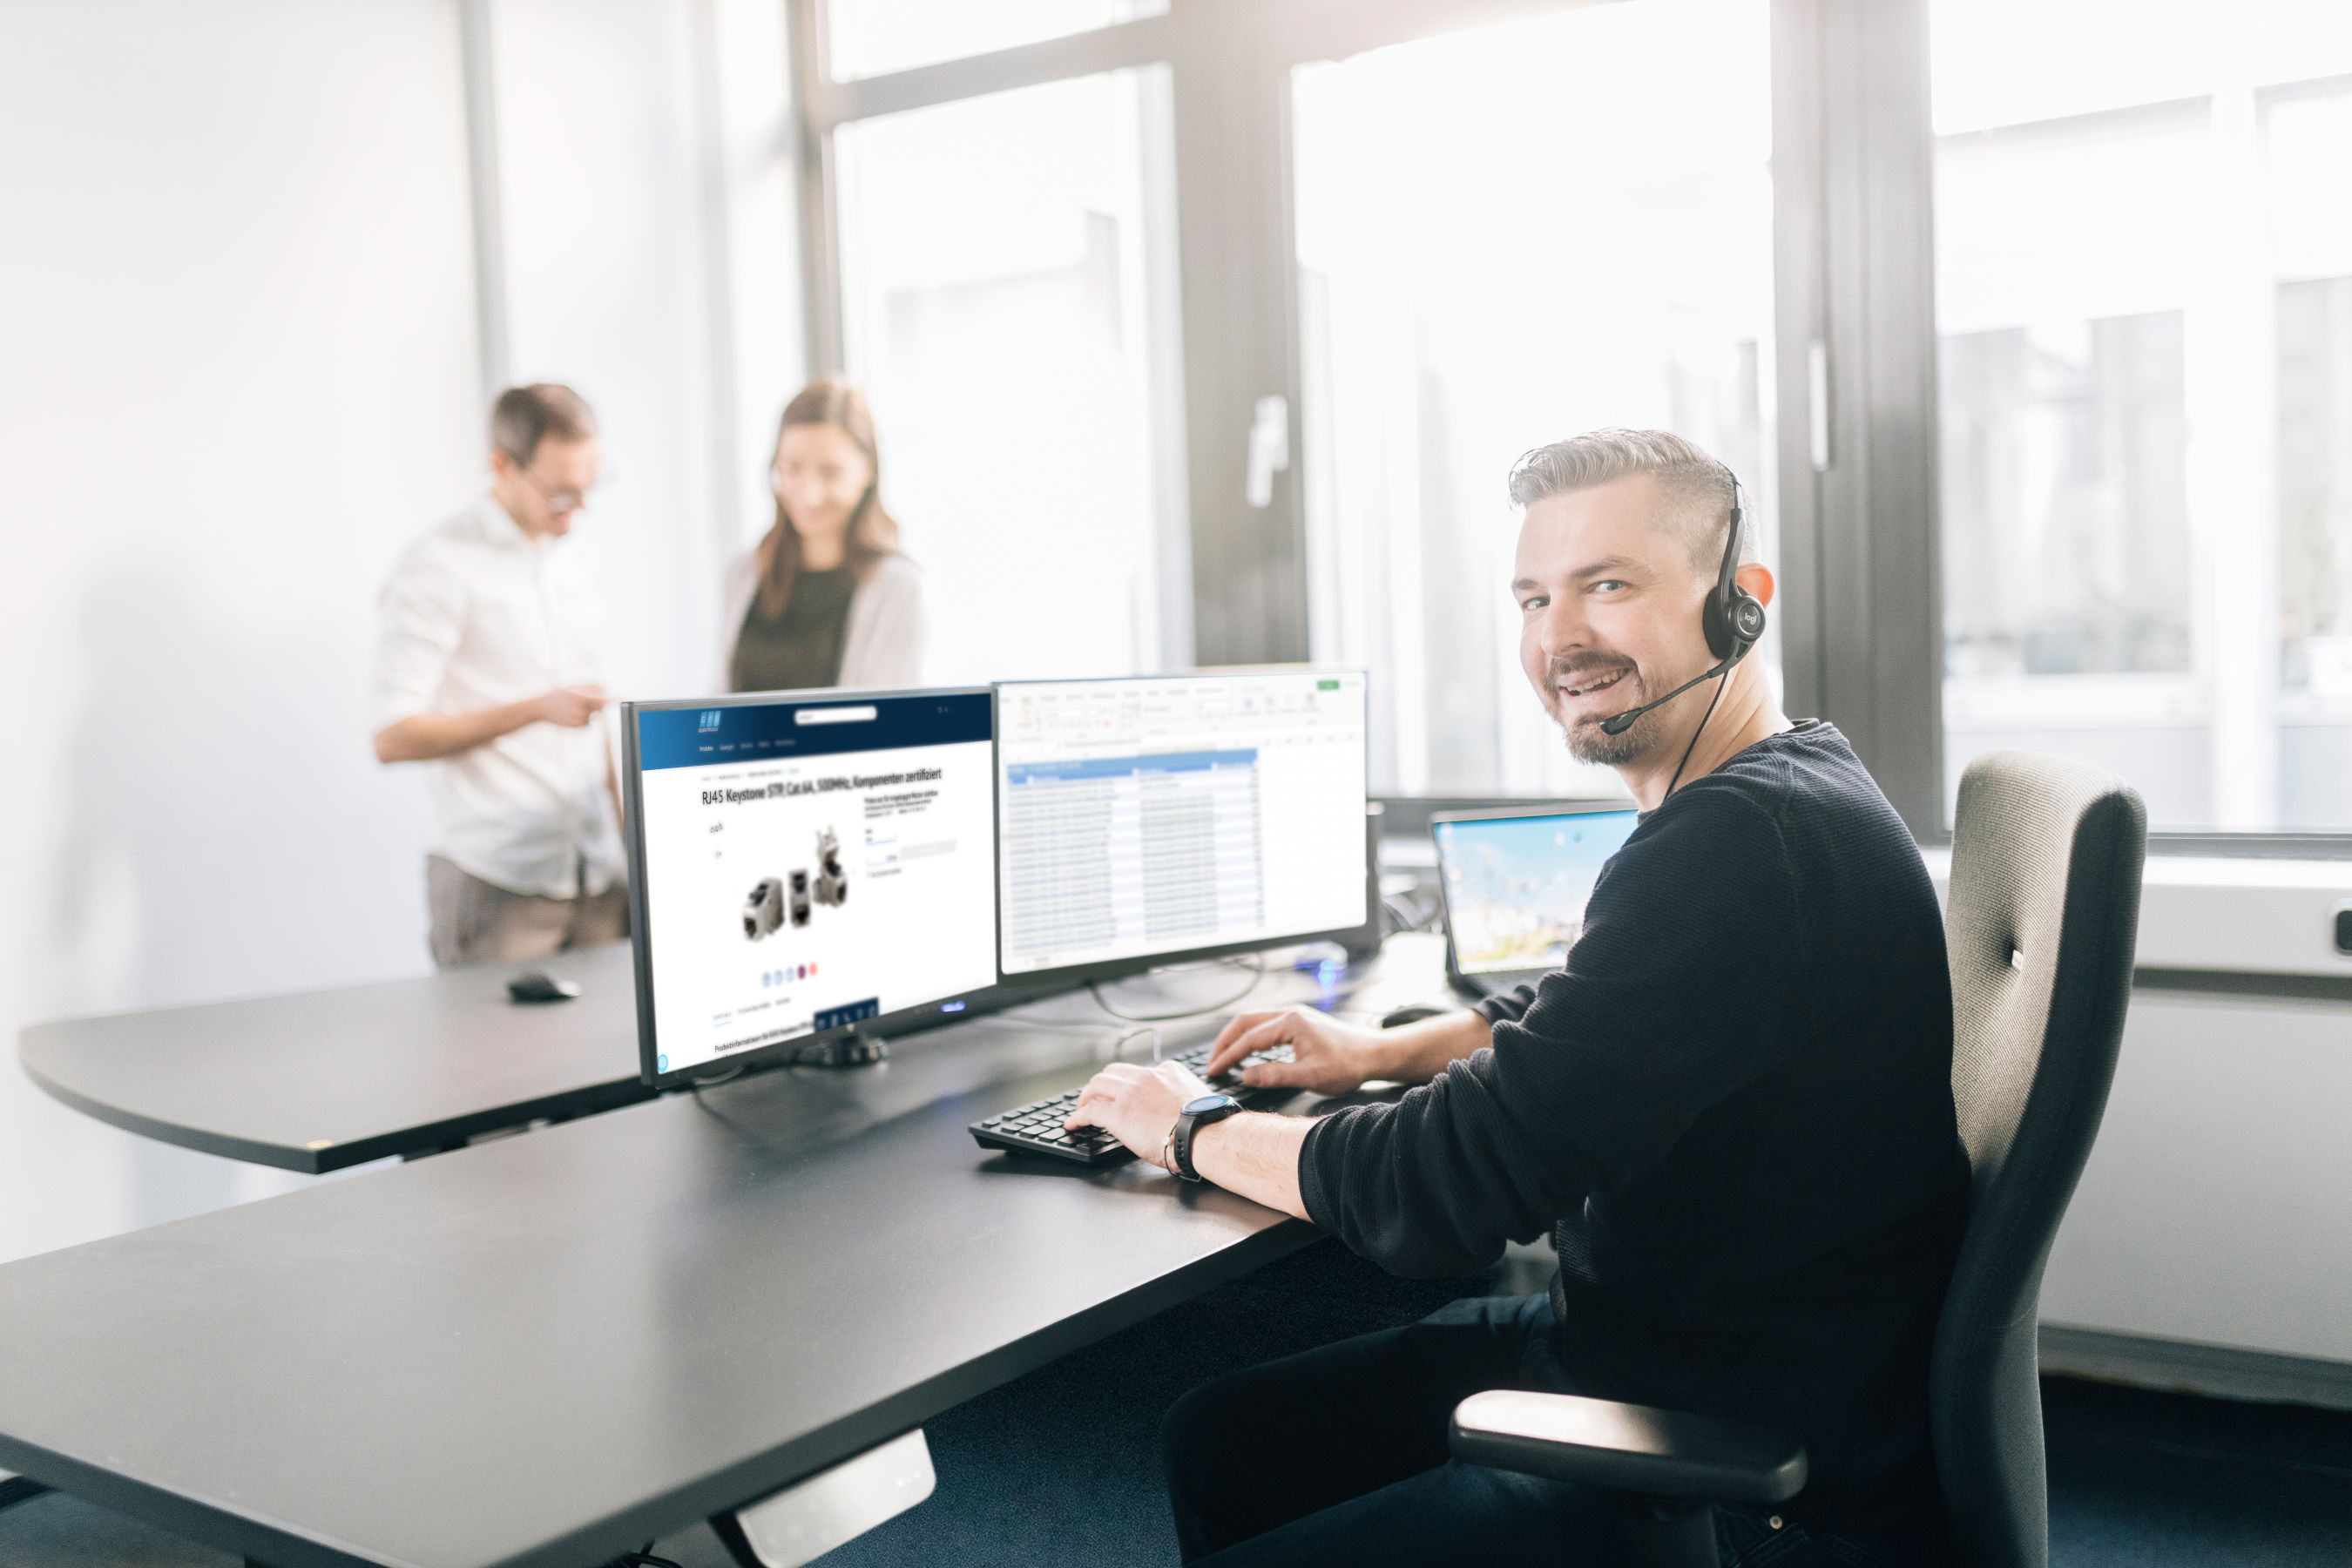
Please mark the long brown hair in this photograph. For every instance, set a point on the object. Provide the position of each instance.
(872, 534)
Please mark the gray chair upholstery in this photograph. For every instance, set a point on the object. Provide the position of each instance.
(2040, 927)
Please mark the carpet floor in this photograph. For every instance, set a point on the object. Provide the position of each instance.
(1062, 1465)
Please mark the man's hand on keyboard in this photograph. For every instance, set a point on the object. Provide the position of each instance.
(1137, 1105)
(1327, 1055)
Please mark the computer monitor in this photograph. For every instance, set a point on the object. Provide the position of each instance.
(803, 865)
(1158, 818)
(1516, 883)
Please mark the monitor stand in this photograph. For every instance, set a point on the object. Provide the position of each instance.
(854, 1049)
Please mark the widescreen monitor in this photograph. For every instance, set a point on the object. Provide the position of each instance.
(1155, 820)
(802, 864)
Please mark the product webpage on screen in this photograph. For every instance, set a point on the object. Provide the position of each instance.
(810, 865)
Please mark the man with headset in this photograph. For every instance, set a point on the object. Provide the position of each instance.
(1732, 1108)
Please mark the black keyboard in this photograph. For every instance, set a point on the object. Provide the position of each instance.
(1036, 1129)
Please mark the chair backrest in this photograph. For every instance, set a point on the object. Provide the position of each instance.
(2040, 923)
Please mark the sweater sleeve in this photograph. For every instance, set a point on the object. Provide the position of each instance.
(1506, 1006)
(887, 634)
(1678, 992)
(743, 581)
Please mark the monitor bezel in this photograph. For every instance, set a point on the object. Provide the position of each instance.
(1455, 975)
(640, 920)
(1097, 970)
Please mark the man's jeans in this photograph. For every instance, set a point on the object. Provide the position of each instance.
(1339, 1457)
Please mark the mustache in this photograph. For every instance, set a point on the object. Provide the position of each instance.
(1561, 667)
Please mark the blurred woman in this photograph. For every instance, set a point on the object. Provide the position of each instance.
(825, 599)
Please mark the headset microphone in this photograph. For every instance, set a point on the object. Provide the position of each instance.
(1733, 621)
(1617, 723)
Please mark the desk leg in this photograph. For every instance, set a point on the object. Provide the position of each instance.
(810, 1517)
(731, 1535)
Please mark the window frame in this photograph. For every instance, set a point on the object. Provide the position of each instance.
(1872, 100)
(1861, 611)
(1230, 62)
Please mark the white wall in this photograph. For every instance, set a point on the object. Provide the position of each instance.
(603, 240)
(2217, 1203)
(2217, 1206)
(652, 262)
(238, 303)
(241, 372)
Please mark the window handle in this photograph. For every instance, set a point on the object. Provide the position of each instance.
(1269, 447)
(1817, 400)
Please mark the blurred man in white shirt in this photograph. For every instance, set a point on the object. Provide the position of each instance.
(486, 668)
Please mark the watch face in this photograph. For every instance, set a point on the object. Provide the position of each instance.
(1209, 1102)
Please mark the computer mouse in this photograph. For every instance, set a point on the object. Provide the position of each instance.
(1411, 1012)
(534, 985)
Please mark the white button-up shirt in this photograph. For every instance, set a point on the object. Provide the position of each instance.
(478, 615)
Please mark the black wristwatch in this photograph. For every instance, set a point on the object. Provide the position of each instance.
(1197, 1114)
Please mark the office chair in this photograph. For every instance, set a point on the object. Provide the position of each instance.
(2040, 926)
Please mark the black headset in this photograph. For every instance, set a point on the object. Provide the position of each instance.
(1733, 619)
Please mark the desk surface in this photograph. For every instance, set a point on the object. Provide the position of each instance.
(546, 1350)
(322, 1080)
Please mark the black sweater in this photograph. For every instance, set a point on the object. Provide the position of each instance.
(1732, 1108)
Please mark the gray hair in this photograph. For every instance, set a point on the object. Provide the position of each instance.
(1697, 485)
(524, 417)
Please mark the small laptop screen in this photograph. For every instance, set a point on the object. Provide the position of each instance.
(1515, 887)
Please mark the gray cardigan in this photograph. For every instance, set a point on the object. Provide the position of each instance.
(883, 646)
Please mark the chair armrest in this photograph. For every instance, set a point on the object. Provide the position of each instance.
(1627, 1447)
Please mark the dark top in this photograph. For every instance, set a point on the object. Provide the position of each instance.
(1732, 1106)
(801, 648)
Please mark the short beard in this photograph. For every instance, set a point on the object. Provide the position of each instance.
(1589, 743)
(1587, 740)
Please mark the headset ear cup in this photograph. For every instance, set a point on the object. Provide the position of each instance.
(1734, 628)
(1747, 620)
(1733, 619)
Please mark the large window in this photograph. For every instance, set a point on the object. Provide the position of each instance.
(1007, 267)
(872, 38)
(1571, 229)
(2027, 324)
(2144, 301)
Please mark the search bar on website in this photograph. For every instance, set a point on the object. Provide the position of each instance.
(833, 715)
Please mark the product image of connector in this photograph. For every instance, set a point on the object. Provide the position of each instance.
(763, 912)
(800, 898)
(831, 883)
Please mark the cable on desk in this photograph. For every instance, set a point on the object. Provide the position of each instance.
(645, 1558)
(1118, 1043)
(1015, 1015)
(1257, 975)
(1412, 912)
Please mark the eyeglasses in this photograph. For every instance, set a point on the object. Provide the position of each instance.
(559, 502)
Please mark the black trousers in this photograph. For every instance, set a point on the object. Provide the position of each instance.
(1339, 1457)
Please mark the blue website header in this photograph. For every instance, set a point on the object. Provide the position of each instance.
(823, 727)
(1121, 767)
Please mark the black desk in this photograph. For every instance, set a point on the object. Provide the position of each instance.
(322, 1080)
(547, 1349)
